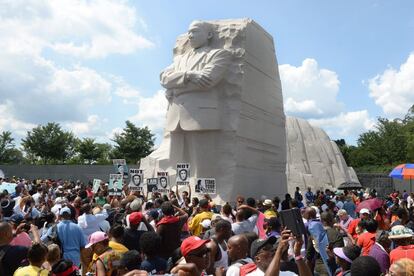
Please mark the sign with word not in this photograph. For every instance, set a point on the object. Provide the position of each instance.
(137, 180)
(183, 174)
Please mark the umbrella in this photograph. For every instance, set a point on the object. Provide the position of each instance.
(371, 204)
(350, 185)
(403, 171)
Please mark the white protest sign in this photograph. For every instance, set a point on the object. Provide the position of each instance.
(115, 185)
(183, 174)
(10, 187)
(152, 184)
(96, 185)
(120, 167)
(137, 180)
(163, 185)
(206, 186)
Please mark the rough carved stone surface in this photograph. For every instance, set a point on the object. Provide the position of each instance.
(241, 138)
(313, 160)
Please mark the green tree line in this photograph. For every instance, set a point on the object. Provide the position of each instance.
(50, 144)
(379, 150)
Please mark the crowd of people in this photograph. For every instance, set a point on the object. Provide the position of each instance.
(57, 227)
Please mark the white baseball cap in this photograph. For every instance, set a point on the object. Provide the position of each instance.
(365, 211)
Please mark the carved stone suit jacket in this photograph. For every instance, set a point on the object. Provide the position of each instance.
(192, 107)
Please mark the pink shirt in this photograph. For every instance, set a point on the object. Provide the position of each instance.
(260, 226)
(22, 239)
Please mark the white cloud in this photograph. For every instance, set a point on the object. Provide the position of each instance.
(151, 112)
(36, 35)
(92, 127)
(393, 90)
(309, 91)
(346, 124)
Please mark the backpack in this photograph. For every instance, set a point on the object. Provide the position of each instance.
(247, 268)
(54, 237)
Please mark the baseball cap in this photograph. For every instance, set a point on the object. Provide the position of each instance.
(365, 211)
(135, 218)
(96, 237)
(190, 244)
(65, 210)
(259, 244)
(339, 251)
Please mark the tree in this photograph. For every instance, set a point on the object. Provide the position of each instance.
(8, 152)
(50, 144)
(133, 143)
(89, 150)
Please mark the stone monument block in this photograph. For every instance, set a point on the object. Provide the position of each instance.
(225, 110)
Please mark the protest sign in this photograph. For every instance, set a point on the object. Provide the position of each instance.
(10, 187)
(163, 185)
(137, 180)
(115, 185)
(206, 186)
(152, 184)
(96, 185)
(120, 167)
(183, 174)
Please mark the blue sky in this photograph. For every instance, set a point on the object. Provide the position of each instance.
(91, 65)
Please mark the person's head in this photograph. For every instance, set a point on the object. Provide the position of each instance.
(365, 265)
(116, 232)
(65, 267)
(195, 201)
(251, 202)
(297, 189)
(136, 179)
(150, 243)
(309, 213)
(223, 229)
(371, 225)
(53, 255)
(402, 215)
(195, 251)
(239, 200)
(167, 208)
(130, 260)
(262, 252)
(183, 174)
(134, 219)
(65, 213)
(98, 242)
(6, 233)
(364, 213)
(238, 247)
(226, 209)
(184, 194)
(267, 204)
(273, 224)
(37, 254)
(327, 219)
(344, 256)
(309, 189)
(203, 204)
(402, 267)
(382, 238)
(136, 205)
(199, 34)
(288, 197)
(342, 214)
(401, 235)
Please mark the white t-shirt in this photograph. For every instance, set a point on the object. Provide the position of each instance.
(258, 272)
(234, 269)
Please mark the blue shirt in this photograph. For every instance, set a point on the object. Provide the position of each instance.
(350, 207)
(72, 240)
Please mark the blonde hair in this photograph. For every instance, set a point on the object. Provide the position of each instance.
(405, 266)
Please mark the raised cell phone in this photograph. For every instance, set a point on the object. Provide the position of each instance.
(292, 220)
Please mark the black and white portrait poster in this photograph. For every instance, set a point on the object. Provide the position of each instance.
(206, 186)
(152, 184)
(163, 185)
(183, 174)
(136, 180)
(121, 167)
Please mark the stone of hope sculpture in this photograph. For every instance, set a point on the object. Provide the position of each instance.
(225, 111)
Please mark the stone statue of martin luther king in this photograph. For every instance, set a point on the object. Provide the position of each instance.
(193, 115)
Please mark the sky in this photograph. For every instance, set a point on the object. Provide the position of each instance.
(92, 65)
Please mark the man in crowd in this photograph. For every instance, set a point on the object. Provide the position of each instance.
(197, 218)
(238, 252)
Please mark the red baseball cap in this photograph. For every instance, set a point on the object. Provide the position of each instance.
(191, 243)
(135, 218)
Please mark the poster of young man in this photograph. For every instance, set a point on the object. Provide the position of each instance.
(183, 174)
(163, 185)
(120, 167)
(96, 185)
(152, 184)
(136, 181)
(206, 186)
(115, 185)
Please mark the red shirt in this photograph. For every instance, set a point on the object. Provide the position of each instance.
(404, 251)
(366, 241)
(352, 227)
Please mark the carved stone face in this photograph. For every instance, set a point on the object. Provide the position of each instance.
(198, 36)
